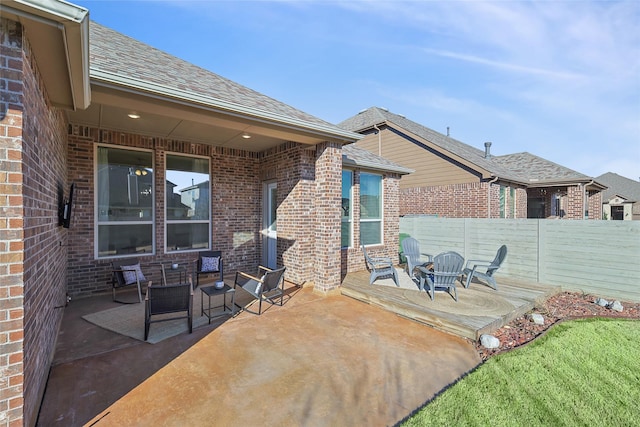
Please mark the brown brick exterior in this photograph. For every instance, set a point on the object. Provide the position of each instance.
(470, 200)
(572, 204)
(236, 206)
(328, 190)
(595, 204)
(33, 263)
(308, 200)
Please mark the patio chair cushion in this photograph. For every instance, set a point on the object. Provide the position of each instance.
(210, 264)
(132, 273)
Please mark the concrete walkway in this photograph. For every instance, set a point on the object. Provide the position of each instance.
(316, 361)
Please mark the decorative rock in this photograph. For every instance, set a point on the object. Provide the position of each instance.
(615, 306)
(489, 341)
(602, 302)
(537, 319)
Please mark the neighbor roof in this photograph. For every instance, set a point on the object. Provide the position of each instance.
(121, 61)
(619, 186)
(352, 155)
(524, 168)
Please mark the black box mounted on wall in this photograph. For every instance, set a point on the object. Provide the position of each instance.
(65, 210)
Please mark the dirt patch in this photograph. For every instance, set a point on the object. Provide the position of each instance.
(563, 306)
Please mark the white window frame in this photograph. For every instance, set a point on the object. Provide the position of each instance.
(344, 219)
(168, 222)
(96, 205)
(381, 219)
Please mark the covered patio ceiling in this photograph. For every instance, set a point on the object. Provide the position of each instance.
(160, 116)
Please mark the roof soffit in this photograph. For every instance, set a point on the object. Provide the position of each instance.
(172, 119)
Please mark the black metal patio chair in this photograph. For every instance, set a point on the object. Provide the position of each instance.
(168, 299)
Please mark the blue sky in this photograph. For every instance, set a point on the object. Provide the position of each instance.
(559, 79)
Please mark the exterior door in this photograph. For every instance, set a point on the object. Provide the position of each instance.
(269, 231)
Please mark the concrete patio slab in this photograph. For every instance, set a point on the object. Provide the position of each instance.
(317, 361)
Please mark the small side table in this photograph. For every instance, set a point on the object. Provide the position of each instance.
(217, 310)
(180, 271)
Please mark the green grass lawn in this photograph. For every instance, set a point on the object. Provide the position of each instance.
(582, 373)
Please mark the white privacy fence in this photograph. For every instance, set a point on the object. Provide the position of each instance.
(598, 257)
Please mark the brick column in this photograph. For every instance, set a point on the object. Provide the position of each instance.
(575, 208)
(327, 211)
(11, 226)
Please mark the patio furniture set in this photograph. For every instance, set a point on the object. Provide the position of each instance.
(177, 298)
(437, 273)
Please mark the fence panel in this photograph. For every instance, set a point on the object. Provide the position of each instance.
(599, 257)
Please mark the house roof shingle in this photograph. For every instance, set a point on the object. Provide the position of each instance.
(521, 167)
(117, 58)
(619, 186)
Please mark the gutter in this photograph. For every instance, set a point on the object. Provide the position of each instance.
(555, 183)
(585, 202)
(162, 92)
(50, 8)
(73, 23)
(379, 140)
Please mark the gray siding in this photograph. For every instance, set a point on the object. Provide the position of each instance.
(598, 257)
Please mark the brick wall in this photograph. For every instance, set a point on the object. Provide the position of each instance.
(451, 201)
(33, 255)
(575, 203)
(237, 179)
(470, 201)
(293, 168)
(328, 173)
(595, 204)
(521, 203)
(236, 206)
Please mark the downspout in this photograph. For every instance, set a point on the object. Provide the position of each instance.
(489, 196)
(379, 140)
(585, 202)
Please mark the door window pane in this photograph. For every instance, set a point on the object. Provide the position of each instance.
(124, 201)
(187, 203)
(273, 208)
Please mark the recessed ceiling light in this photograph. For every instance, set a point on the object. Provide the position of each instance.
(133, 115)
(246, 135)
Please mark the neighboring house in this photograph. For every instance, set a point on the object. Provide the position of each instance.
(621, 200)
(453, 179)
(166, 159)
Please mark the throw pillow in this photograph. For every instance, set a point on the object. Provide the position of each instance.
(131, 272)
(210, 263)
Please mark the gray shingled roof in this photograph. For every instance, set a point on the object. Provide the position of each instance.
(521, 167)
(117, 57)
(537, 169)
(619, 186)
(353, 155)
